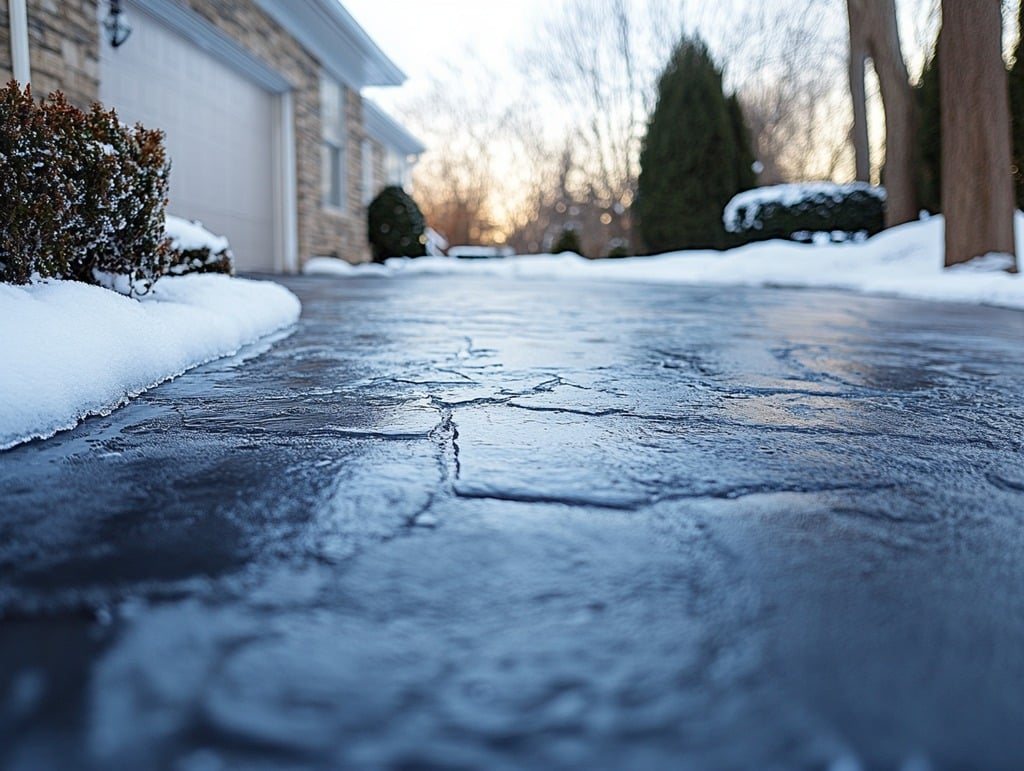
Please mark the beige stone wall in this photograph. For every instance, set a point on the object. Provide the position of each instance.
(5, 45)
(63, 49)
(342, 232)
(321, 231)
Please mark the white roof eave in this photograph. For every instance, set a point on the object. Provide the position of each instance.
(328, 31)
(388, 131)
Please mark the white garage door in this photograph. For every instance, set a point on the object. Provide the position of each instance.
(219, 128)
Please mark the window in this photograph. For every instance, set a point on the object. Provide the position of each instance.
(332, 147)
(369, 185)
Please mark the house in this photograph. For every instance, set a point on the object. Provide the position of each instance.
(271, 141)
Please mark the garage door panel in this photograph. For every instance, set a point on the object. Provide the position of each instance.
(219, 129)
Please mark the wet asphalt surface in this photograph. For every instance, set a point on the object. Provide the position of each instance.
(454, 523)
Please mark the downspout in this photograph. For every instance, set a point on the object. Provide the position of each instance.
(18, 17)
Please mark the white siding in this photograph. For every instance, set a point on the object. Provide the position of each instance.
(219, 128)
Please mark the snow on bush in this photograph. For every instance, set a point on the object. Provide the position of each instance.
(799, 211)
(194, 249)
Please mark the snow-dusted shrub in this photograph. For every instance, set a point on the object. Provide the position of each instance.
(127, 200)
(396, 225)
(42, 193)
(799, 211)
(194, 249)
(83, 194)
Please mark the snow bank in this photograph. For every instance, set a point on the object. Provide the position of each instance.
(905, 261)
(70, 350)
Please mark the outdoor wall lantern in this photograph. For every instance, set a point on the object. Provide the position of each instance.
(117, 28)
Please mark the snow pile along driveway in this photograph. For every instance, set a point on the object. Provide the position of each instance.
(70, 350)
(904, 261)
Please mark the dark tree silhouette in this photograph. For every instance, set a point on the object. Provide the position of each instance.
(695, 157)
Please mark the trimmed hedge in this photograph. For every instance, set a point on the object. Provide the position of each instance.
(798, 211)
(396, 227)
(84, 195)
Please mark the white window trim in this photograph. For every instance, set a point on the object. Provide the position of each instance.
(286, 198)
(337, 140)
(20, 61)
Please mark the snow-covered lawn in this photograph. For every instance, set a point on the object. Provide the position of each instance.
(905, 261)
(70, 350)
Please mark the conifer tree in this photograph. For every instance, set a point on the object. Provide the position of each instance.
(695, 157)
(1016, 78)
(929, 138)
(746, 176)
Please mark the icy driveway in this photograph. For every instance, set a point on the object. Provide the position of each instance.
(482, 524)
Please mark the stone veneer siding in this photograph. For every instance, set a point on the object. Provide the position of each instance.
(64, 44)
(5, 46)
(63, 49)
(351, 219)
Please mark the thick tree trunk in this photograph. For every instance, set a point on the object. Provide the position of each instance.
(859, 132)
(874, 34)
(977, 182)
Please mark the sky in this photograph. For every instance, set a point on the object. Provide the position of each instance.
(419, 35)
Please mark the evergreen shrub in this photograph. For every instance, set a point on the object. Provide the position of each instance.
(84, 195)
(396, 227)
(128, 206)
(695, 156)
(799, 211)
(568, 241)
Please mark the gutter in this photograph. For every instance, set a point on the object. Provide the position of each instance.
(18, 17)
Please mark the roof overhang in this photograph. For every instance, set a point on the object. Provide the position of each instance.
(328, 31)
(388, 131)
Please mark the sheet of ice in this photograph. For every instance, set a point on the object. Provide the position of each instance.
(70, 350)
(904, 261)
